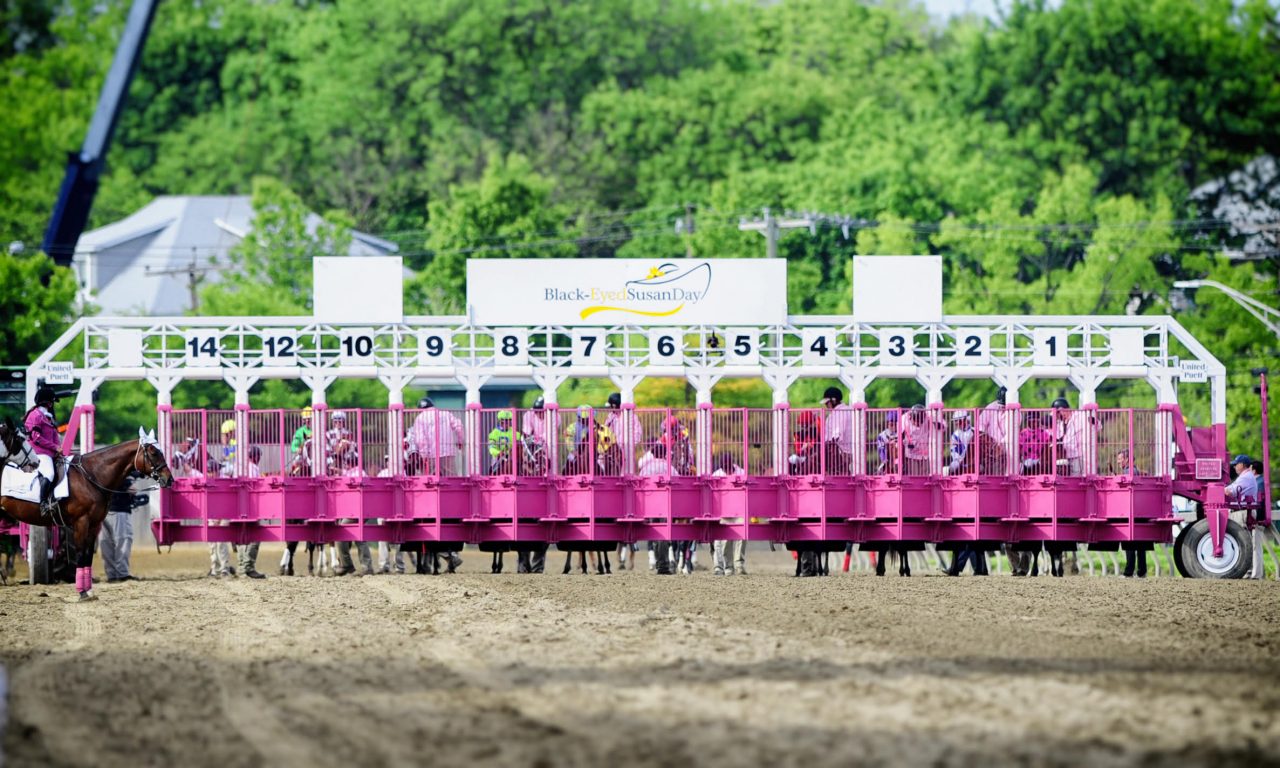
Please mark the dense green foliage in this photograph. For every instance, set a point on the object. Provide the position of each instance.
(1049, 156)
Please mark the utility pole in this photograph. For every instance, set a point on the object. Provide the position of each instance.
(195, 276)
(771, 226)
(685, 227)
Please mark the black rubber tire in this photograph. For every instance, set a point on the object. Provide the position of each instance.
(38, 548)
(1177, 552)
(1236, 540)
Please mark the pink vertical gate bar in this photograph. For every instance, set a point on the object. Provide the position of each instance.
(1266, 449)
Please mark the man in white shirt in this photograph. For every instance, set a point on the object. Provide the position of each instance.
(435, 434)
(1244, 489)
(1073, 436)
(838, 429)
(994, 423)
(249, 552)
(625, 425)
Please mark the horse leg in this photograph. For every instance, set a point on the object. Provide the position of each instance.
(882, 555)
(85, 537)
(604, 556)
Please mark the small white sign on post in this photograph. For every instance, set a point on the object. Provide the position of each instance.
(1193, 372)
(578, 292)
(897, 289)
(59, 373)
(358, 289)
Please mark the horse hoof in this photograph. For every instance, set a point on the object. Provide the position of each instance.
(86, 597)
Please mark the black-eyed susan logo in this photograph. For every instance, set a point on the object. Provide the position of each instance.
(663, 292)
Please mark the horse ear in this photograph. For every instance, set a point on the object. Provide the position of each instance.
(142, 434)
(151, 438)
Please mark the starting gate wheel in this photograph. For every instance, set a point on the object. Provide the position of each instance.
(1197, 552)
(38, 551)
(1177, 552)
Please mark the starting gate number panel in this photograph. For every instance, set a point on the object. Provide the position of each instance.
(973, 347)
(511, 346)
(743, 346)
(589, 347)
(356, 346)
(280, 348)
(819, 346)
(897, 346)
(203, 349)
(435, 347)
(666, 347)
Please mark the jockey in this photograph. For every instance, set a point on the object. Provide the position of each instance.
(42, 431)
(303, 433)
(501, 441)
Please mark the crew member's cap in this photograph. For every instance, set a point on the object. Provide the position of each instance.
(1243, 458)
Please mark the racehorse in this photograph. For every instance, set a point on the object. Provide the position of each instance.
(92, 478)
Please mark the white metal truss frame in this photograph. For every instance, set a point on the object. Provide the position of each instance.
(168, 350)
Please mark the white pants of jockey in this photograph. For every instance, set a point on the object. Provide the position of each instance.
(116, 544)
(44, 466)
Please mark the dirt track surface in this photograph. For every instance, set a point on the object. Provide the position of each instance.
(634, 669)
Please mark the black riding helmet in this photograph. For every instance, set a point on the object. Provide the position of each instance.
(425, 403)
(833, 393)
(1061, 402)
(46, 396)
(538, 404)
(615, 400)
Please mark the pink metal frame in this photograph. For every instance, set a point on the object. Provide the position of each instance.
(756, 495)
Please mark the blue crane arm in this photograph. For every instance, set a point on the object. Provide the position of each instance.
(84, 168)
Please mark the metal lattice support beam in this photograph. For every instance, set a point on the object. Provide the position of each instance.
(1007, 349)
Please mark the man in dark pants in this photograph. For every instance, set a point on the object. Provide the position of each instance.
(1136, 554)
(968, 554)
(532, 559)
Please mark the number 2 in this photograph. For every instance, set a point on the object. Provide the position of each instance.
(974, 344)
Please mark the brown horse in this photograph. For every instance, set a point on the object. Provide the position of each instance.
(93, 477)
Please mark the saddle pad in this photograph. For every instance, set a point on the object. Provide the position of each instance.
(25, 486)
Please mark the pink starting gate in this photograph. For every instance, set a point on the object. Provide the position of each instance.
(852, 474)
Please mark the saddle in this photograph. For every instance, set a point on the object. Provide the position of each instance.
(25, 486)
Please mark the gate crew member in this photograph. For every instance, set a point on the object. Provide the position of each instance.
(839, 429)
(42, 431)
(626, 429)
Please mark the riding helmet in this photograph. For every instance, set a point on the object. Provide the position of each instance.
(1061, 402)
(46, 395)
(538, 404)
(833, 393)
(426, 402)
(615, 400)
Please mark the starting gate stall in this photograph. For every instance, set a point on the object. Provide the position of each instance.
(499, 478)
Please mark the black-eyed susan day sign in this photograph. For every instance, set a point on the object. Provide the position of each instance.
(627, 291)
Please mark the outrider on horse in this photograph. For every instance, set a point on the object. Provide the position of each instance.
(92, 478)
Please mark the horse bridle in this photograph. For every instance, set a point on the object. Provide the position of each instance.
(18, 460)
(152, 471)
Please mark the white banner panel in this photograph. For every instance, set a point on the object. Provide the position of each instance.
(358, 289)
(627, 291)
(897, 289)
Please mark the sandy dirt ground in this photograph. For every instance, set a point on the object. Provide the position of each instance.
(635, 669)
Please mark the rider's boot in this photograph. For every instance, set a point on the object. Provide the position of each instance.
(47, 503)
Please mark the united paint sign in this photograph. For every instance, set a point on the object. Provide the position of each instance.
(627, 291)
